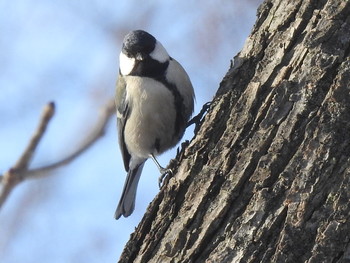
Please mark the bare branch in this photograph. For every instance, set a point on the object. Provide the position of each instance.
(97, 133)
(16, 174)
(20, 171)
(47, 114)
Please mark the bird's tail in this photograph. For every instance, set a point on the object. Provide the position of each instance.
(127, 201)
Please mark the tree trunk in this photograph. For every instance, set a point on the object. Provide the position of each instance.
(267, 177)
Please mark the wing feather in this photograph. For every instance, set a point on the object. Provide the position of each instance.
(123, 112)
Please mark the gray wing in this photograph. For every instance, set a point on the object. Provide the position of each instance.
(123, 110)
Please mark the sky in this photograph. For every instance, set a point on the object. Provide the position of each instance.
(68, 52)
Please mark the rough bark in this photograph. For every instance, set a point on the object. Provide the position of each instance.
(267, 177)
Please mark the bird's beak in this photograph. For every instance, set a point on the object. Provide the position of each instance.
(140, 56)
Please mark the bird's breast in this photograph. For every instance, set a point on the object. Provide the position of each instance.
(149, 128)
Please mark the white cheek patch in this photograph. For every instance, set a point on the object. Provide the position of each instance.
(126, 64)
(159, 53)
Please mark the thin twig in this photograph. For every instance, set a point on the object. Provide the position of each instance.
(16, 174)
(98, 132)
(26, 157)
(20, 171)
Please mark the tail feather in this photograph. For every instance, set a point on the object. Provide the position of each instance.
(127, 201)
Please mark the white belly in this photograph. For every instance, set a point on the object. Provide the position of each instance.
(152, 117)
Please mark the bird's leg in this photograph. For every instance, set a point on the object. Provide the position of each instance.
(164, 171)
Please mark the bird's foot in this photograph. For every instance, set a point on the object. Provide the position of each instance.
(165, 173)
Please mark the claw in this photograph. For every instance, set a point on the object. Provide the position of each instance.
(164, 173)
(197, 120)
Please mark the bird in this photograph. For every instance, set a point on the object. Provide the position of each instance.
(154, 102)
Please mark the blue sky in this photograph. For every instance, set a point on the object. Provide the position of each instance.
(67, 52)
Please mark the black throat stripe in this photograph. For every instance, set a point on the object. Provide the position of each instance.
(180, 120)
(149, 68)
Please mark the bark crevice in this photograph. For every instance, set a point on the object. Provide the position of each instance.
(266, 178)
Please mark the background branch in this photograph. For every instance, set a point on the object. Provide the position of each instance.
(97, 132)
(19, 172)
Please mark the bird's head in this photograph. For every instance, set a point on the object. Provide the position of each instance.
(138, 45)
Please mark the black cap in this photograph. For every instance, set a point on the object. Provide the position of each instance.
(138, 41)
